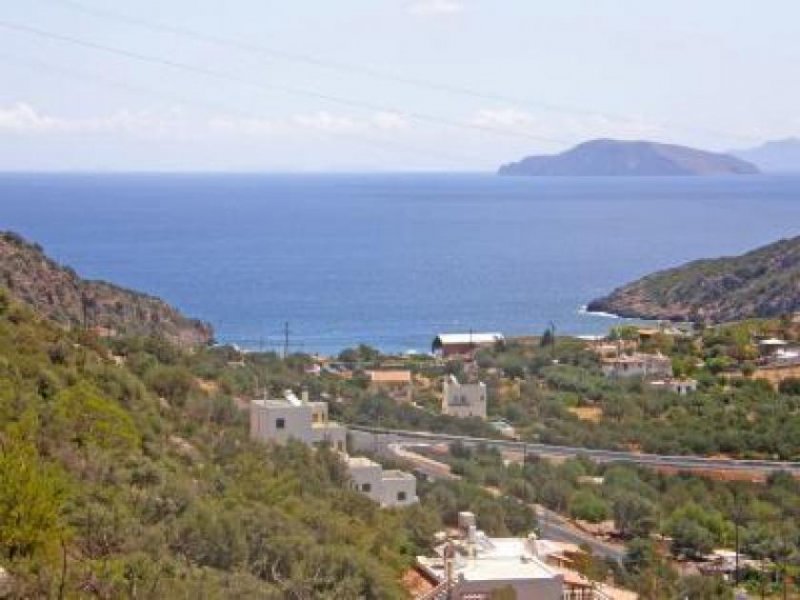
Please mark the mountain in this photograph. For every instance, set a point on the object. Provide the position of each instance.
(617, 157)
(762, 283)
(58, 293)
(775, 156)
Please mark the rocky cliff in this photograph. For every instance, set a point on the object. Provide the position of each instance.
(58, 293)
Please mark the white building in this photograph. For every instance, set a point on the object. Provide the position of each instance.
(475, 566)
(464, 345)
(290, 417)
(388, 488)
(638, 365)
(279, 420)
(682, 387)
(463, 399)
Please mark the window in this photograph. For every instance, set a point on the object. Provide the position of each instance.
(366, 487)
(401, 496)
(280, 423)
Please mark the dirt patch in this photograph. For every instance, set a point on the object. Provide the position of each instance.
(594, 414)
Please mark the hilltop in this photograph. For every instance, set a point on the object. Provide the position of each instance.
(627, 158)
(762, 283)
(58, 293)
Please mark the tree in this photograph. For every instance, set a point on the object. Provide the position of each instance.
(790, 386)
(690, 538)
(32, 496)
(634, 516)
(588, 506)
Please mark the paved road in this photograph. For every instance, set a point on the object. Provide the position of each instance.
(555, 527)
(552, 526)
(382, 437)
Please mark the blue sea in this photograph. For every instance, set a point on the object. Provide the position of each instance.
(388, 260)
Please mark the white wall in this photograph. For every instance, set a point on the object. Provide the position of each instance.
(265, 420)
(394, 484)
(463, 399)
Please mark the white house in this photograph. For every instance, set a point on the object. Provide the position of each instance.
(637, 365)
(388, 488)
(463, 345)
(682, 387)
(290, 417)
(463, 399)
(475, 565)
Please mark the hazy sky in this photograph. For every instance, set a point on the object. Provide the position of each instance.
(385, 84)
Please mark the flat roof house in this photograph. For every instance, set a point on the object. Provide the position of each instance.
(475, 566)
(463, 399)
(389, 488)
(463, 345)
(290, 417)
(637, 365)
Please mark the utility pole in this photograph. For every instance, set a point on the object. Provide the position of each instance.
(285, 339)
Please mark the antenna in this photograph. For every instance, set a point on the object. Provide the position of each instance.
(286, 339)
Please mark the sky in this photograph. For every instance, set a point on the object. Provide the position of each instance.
(383, 85)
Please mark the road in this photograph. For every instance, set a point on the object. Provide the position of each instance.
(552, 526)
(376, 437)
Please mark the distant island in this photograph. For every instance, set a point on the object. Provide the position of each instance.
(605, 157)
(762, 283)
(57, 292)
(776, 156)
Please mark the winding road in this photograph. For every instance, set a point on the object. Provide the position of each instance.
(381, 437)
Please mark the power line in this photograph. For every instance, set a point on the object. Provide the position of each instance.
(294, 91)
(343, 67)
(95, 79)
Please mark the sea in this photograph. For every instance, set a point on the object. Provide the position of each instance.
(389, 260)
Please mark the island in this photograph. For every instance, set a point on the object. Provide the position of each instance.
(606, 157)
(762, 283)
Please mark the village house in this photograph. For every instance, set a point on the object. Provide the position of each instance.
(463, 345)
(290, 417)
(678, 386)
(638, 365)
(474, 566)
(280, 420)
(397, 384)
(387, 487)
(463, 399)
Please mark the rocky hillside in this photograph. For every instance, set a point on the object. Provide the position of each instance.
(762, 283)
(617, 157)
(60, 294)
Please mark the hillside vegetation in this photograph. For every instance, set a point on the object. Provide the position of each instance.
(130, 481)
(58, 293)
(762, 283)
